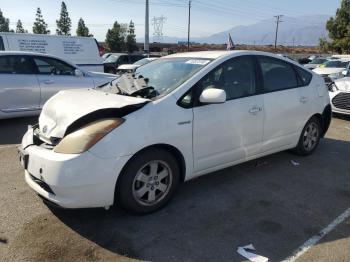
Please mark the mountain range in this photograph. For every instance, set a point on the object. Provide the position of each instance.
(301, 30)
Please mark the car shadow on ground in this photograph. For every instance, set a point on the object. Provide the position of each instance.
(12, 130)
(270, 202)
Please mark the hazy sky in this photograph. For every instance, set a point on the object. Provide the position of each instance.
(208, 17)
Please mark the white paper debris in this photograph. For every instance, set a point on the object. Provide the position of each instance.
(245, 252)
(295, 163)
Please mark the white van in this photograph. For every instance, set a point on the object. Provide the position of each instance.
(82, 51)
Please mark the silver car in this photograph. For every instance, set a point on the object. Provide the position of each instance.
(28, 80)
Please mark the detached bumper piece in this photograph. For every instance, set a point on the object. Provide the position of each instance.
(42, 184)
(342, 101)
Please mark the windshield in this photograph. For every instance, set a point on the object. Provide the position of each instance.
(335, 64)
(111, 59)
(156, 79)
(166, 74)
(142, 62)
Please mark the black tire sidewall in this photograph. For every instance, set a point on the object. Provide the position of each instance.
(124, 195)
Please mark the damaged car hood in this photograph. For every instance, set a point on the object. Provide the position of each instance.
(68, 106)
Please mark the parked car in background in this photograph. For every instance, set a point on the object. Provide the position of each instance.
(84, 52)
(112, 62)
(28, 80)
(182, 116)
(339, 92)
(106, 55)
(332, 69)
(316, 63)
(132, 67)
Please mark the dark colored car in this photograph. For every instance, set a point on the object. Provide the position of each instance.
(115, 60)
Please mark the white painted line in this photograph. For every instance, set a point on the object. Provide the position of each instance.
(9, 146)
(316, 238)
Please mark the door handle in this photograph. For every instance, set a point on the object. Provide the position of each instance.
(48, 81)
(304, 99)
(254, 110)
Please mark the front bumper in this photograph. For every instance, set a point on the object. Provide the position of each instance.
(71, 180)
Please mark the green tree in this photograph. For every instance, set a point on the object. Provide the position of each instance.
(82, 29)
(339, 30)
(64, 23)
(4, 23)
(19, 27)
(131, 45)
(115, 38)
(40, 27)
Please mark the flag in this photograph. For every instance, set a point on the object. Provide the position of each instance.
(230, 44)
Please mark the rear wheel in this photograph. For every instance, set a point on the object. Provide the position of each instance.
(309, 138)
(148, 181)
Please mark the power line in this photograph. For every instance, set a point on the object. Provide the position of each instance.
(158, 23)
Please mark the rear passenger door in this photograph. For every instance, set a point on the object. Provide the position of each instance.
(19, 87)
(286, 103)
(55, 75)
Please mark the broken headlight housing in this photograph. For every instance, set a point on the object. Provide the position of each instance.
(85, 137)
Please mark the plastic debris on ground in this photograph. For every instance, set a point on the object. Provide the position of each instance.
(246, 251)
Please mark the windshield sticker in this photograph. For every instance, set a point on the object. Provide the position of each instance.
(197, 62)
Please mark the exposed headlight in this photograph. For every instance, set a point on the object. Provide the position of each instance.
(84, 138)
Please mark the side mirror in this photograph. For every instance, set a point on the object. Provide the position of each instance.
(344, 73)
(78, 73)
(213, 96)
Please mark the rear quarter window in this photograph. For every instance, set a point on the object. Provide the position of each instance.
(304, 76)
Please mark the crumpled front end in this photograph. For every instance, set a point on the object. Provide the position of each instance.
(69, 180)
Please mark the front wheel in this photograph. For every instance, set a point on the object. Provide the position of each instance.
(148, 181)
(309, 138)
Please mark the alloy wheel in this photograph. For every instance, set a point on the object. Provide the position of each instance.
(310, 136)
(152, 183)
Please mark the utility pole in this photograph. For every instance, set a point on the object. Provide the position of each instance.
(146, 46)
(189, 26)
(278, 21)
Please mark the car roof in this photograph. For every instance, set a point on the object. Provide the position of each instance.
(220, 54)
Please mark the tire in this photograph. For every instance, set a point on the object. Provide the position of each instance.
(309, 138)
(148, 181)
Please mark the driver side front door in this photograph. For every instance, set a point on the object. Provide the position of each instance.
(228, 133)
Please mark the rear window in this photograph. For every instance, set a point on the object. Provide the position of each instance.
(2, 47)
(304, 76)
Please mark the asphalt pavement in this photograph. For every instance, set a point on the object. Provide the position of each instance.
(270, 203)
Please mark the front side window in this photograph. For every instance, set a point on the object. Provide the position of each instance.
(277, 74)
(16, 65)
(47, 66)
(236, 77)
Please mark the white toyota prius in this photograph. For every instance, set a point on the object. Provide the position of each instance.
(133, 140)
